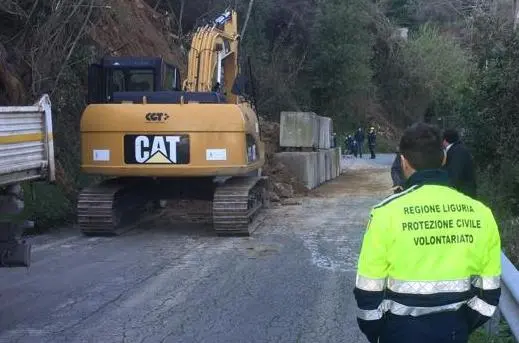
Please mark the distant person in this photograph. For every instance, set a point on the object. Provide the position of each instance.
(459, 164)
(355, 148)
(359, 138)
(397, 175)
(372, 141)
(334, 140)
(349, 144)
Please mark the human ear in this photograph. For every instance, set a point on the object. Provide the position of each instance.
(406, 167)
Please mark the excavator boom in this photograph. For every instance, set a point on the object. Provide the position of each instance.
(213, 58)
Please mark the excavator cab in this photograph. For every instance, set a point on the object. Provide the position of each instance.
(113, 75)
(131, 79)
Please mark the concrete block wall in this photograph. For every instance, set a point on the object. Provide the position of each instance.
(298, 130)
(311, 168)
(303, 165)
(308, 130)
(305, 130)
(321, 165)
(325, 132)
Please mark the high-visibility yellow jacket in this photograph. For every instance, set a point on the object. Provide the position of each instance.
(428, 250)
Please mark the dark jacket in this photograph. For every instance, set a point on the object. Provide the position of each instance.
(397, 174)
(359, 136)
(372, 138)
(460, 168)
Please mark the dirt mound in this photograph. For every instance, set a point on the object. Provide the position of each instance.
(132, 27)
(284, 184)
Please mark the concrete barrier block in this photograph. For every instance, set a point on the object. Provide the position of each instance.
(298, 130)
(329, 158)
(337, 156)
(334, 163)
(322, 166)
(325, 132)
(304, 166)
(315, 130)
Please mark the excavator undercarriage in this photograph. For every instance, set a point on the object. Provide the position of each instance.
(114, 206)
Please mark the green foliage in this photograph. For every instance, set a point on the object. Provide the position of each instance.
(340, 60)
(50, 205)
(423, 77)
(401, 12)
(438, 61)
(502, 336)
(276, 41)
(492, 123)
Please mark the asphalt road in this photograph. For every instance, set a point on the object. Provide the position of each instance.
(291, 281)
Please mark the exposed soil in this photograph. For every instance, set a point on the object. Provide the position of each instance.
(132, 27)
(359, 182)
(284, 184)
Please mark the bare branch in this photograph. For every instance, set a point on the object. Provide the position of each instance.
(71, 50)
(12, 7)
(180, 15)
(249, 11)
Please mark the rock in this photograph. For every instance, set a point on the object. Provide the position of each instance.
(274, 197)
(291, 202)
(284, 190)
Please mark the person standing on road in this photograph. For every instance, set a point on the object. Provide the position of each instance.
(359, 138)
(372, 140)
(349, 144)
(459, 163)
(397, 175)
(355, 148)
(430, 263)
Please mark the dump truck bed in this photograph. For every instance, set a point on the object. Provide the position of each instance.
(26, 143)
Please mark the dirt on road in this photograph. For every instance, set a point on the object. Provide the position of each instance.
(291, 281)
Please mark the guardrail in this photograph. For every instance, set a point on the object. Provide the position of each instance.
(509, 302)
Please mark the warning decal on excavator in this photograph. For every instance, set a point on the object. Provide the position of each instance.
(156, 149)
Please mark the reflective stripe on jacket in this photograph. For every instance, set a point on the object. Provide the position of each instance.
(428, 250)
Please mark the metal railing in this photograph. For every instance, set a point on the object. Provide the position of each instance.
(509, 302)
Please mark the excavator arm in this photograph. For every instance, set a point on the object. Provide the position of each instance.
(213, 57)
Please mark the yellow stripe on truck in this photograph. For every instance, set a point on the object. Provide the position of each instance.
(29, 137)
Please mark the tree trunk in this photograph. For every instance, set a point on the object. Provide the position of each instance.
(516, 15)
(249, 10)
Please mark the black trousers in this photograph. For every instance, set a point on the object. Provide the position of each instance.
(436, 328)
(372, 151)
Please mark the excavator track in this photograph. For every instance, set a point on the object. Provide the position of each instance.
(113, 206)
(109, 207)
(237, 203)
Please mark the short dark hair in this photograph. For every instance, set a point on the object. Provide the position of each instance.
(451, 136)
(421, 146)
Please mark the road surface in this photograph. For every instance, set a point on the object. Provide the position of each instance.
(291, 281)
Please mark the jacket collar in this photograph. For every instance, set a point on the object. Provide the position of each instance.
(429, 177)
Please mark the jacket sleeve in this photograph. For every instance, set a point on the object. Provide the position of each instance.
(371, 277)
(456, 166)
(396, 175)
(488, 285)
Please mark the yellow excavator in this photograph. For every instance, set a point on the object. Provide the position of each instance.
(159, 138)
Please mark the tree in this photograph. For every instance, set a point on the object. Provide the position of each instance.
(339, 64)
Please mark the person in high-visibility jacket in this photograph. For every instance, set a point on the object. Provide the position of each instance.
(430, 262)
